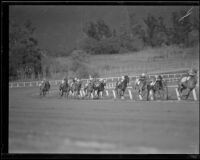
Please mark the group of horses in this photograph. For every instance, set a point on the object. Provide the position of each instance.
(144, 89)
(73, 89)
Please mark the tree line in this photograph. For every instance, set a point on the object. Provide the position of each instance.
(27, 60)
(153, 32)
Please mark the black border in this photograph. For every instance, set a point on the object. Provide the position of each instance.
(4, 83)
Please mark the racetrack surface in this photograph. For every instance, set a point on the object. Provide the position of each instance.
(59, 125)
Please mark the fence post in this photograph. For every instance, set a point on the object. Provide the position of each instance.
(114, 94)
(194, 94)
(129, 91)
(178, 95)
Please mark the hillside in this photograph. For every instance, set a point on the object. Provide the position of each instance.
(148, 60)
(58, 28)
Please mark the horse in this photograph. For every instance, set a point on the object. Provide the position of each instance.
(72, 88)
(89, 89)
(77, 88)
(120, 87)
(99, 87)
(159, 87)
(64, 89)
(44, 88)
(188, 84)
(141, 87)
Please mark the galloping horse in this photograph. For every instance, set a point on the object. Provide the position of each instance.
(99, 87)
(64, 88)
(44, 87)
(77, 88)
(141, 87)
(186, 83)
(89, 89)
(120, 87)
(159, 87)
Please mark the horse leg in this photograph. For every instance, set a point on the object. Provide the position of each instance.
(122, 94)
(187, 95)
(180, 90)
(148, 94)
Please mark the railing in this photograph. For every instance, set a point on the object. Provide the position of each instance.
(110, 80)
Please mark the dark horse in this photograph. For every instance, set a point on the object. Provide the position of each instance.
(44, 88)
(89, 89)
(188, 84)
(120, 87)
(64, 89)
(99, 87)
(77, 88)
(159, 87)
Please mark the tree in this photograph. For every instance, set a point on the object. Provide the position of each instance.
(181, 29)
(97, 30)
(24, 55)
(156, 31)
(103, 29)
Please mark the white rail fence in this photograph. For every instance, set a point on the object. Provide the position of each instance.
(110, 80)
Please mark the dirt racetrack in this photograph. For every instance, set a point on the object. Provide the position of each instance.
(58, 125)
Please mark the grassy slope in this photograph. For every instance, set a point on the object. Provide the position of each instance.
(148, 60)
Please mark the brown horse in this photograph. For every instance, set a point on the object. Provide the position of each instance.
(159, 87)
(44, 88)
(120, 87)
(187, 83)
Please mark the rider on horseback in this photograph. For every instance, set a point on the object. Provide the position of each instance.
(191, 74)
(43, 82)
(187, 83)
(142, 77)
(158, 79)
(65, 80)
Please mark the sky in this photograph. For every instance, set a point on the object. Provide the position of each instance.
(58, 28)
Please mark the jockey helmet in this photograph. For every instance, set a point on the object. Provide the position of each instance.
(122, 77)
(192, 72)
(157, 76)
(143, 75)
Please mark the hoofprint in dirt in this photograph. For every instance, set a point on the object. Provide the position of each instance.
(53, 125)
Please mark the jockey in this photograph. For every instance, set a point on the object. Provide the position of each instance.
(43, 81)
(191, 74)
(74, 80)
(142, 77)
(90, 79)
(158, 78)
(64, 80)
(100, 81)
(122, 78)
